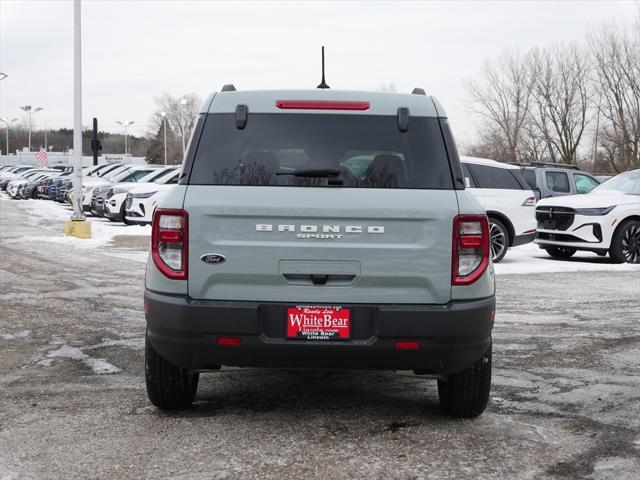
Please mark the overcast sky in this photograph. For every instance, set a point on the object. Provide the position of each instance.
(135, 50)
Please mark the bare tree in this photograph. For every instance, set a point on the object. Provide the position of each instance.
(181, 113)
(489, 144)
(534, 146)
(561, 105)
(616, 56)
(501, 95)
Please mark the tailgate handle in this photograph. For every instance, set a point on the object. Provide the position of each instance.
(319, 279)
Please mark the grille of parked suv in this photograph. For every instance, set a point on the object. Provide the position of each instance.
(554, 218)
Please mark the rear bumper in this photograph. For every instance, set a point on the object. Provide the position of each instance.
(451, 337)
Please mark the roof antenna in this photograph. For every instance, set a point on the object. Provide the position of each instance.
(323, 84)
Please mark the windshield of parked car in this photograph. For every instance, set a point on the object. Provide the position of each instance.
(627, 182)
(136, 175)
(118, 176)
(304, 150)
(168, 176)
(33, 174)
(112, 170)
(153, 175)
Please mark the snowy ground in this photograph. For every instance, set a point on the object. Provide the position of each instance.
(565, 399)
(52, 215)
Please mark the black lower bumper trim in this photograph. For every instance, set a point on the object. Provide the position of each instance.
(451, 336)
(524, 239)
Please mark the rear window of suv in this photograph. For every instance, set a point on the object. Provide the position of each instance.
(369, 151)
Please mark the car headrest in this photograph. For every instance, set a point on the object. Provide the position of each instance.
(387, 170)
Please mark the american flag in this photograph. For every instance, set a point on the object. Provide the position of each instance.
(41, 156)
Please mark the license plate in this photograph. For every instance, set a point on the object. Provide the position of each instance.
(310, 322)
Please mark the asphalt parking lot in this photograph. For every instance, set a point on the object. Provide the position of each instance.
(565, 400)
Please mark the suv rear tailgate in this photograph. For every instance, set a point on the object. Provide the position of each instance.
(402, 254)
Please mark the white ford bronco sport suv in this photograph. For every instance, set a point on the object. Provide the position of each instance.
(321, 229)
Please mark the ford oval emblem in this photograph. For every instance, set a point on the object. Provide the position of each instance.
(213, 258)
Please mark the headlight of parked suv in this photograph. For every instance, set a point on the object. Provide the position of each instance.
(143, 195)
(117, 190)
(594, 211)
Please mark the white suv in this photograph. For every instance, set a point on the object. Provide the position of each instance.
(507, 199)
(605, 220)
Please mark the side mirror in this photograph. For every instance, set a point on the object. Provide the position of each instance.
(467, 182)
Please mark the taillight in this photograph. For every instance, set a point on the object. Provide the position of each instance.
(470, 255)
(169, 242)
(529, 202)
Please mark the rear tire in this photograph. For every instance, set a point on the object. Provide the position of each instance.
(560, 252)
(466, 394)
(499, 239)
(625, 244)
(168, 386)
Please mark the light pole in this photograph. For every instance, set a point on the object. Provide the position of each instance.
(29, 110)
(8, 122)
(125, 125)
(164, 129)
(78, 214)
(183, 102)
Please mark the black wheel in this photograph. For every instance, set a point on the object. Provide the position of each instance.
(625, 244)
(560, 252)
(499, 239)
(123, 215)
(168, 386)
(466, 394)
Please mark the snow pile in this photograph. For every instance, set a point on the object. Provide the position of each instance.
(14, 336)
(97, 365)
(51, 216)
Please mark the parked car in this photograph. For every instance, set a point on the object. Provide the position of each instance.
(274, 251)
(116, 197)
(607, 220)
(30, 189)
(131, 176)
(17, 173)
(554, 180)
(57, 188)
(141, 202)
(507, 199)
(104, 179)
(18, 182)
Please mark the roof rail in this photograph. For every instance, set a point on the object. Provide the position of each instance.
(545, 164)
(228, 88)
(418, 91)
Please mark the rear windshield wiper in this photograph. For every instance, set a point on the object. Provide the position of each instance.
(313, 172)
